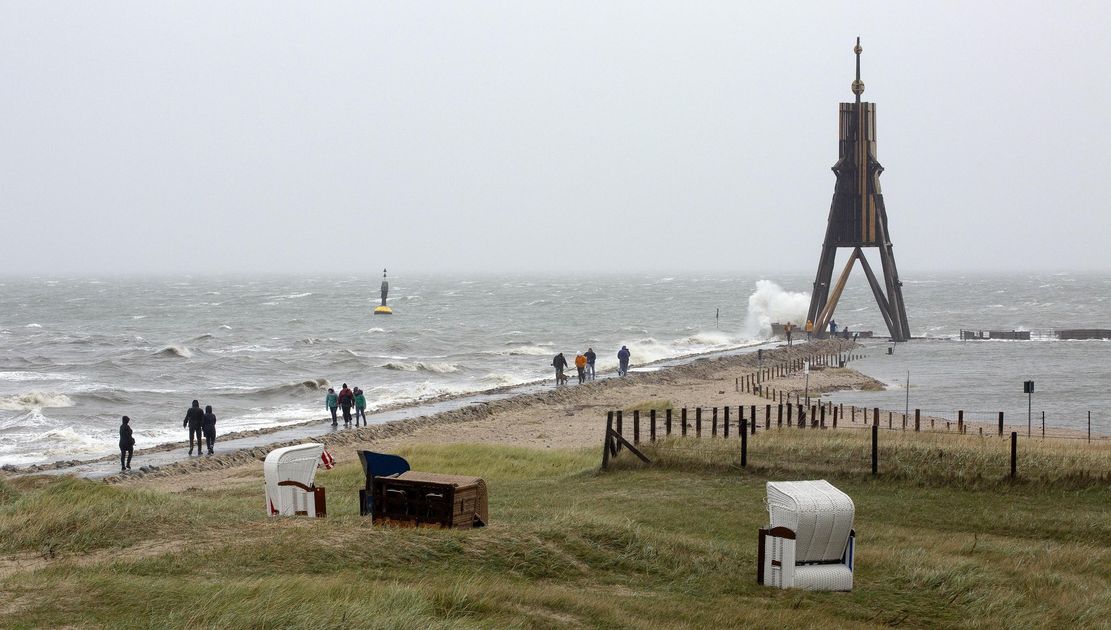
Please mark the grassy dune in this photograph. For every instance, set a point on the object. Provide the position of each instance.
(673, 545)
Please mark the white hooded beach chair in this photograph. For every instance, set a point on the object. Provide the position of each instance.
(290, 474)
(809, 541)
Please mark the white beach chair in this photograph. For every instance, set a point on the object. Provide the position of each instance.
(809, 541)
(290, 474)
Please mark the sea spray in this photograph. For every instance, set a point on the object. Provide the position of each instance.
(772, 303)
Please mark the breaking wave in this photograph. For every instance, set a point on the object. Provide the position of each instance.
(772, 303)
(310, 385)
(420, 366)
(174, 351)
(34, 401)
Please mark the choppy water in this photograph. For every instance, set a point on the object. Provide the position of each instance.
(76, 353)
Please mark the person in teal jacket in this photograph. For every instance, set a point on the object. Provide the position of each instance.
(331, 401)
(360, 406)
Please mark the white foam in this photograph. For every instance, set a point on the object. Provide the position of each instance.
(34, 401)
(38, 376)
(772, 303)
(33, 325)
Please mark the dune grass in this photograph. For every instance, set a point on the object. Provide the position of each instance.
(672, 545)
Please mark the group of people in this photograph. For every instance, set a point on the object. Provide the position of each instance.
(347, 399)
(789, 329)
(584, 365)
(200, 424)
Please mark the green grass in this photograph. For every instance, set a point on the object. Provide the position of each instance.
(672, 545)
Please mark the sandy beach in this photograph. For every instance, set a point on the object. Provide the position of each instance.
(570, 416)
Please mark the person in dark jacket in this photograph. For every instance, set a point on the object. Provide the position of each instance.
(346, 401)
(559, 362)
(590, 358)
(127, 444)
(360, 406)
(623, 361)
(209, 428)
(194, 419)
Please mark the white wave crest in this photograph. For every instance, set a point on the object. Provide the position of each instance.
(420, 366)
(34, 401)
(376, 330)
(33, 325)
(772, 303)
(175, 351)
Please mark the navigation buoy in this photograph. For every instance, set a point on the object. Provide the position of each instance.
(383, 309)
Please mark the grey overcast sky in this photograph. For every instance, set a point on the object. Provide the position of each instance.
(203, 137)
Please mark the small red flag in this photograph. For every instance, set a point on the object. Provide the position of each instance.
(327, 459)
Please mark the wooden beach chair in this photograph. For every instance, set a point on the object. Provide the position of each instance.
(377, 465)
(290, 474)
(809, 541)
(417, 499)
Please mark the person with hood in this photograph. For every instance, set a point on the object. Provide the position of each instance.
(194, 419)
(209, 428)
(127, 444)
(559, 362)
(623, 361)
(360, 406)
(331, 402)
(346, 400)
(580, 365)
(590, 358)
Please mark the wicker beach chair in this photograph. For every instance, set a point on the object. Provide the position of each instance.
(377, 465)
(290, 474)
(809, 541)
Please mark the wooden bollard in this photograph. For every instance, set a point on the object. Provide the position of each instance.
(636, 426)
(698, 422)
(802, 417)
(789, 408)
(1014, 453)
(960, 421)
(725, 421)
(1000, 423)
(779, 421)
(835, 417)
(683, 421)
(667, 422)
(767, 417)
(754, 419)
(714, 423)
(618, 429)
(875, 449)
(652, 424)
(917, 420)
(814, 415)
(822, 423)
(744, 444)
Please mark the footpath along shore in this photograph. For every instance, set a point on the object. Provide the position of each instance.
(549, 417)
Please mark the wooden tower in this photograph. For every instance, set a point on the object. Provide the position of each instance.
(858, 219)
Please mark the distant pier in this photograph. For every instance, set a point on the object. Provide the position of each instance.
(1027, 335)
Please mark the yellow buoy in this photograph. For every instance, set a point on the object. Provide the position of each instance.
(383, 310)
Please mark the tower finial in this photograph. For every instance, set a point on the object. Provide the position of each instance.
(858, 85)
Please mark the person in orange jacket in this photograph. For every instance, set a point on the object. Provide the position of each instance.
(580, 365)
(809, 329)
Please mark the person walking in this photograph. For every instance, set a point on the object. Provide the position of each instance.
(809, 329)
(209, 428)
(194, 419)
(559, 362)
(331, 402)
(346, 401)
(590, 358)
(832, 327)
(788, 328)
(127, 444)
(623, 356)
(580, 366)
(360, 406)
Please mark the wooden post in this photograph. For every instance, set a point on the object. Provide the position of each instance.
(876, 417)
(618, 429)
(917, 420)
(683, 421)
(652, 424)
(636, 426)
(606, 441)
(667, 422)
(1043, 425)
(960, 421)
(767, 417)
(904, 421)
(835, 417)
(1089, 427)
(754, 419)
(714, 423)
(725, 421)
(813, 415)
(1000, 424)
(1014, 452)
(875, 449)
(779, 421)
(744, 443)
(823, 418)
(698, 422)
(789, 408)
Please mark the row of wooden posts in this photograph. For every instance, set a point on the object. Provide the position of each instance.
(796, 414)
(615, 439)
(754, 383)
